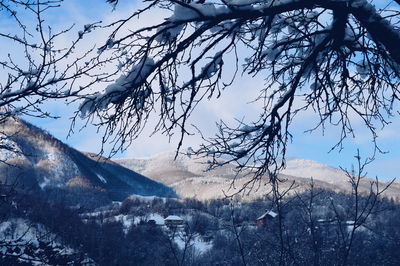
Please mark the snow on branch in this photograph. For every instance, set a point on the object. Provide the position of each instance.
(126, 85)
(35, 67)
(339, 57)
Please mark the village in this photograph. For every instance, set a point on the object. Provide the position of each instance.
(200, 226)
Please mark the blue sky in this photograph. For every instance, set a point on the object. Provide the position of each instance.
(315, 146)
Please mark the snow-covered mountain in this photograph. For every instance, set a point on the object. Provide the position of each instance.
(45, 164)
(318, 171)
(189, 178)
(164, 167)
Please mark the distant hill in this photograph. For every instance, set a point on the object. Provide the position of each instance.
(189, 178)
(50, 168)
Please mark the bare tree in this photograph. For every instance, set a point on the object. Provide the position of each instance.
(337, 58)
(185, 235)
(347, 218)
(36, 67)
(237, 229)
(362, 206)
(308, 206)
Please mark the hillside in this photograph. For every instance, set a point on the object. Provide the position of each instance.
(46, 166)
(189, 178)
(57, 234)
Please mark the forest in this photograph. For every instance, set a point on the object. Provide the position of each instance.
(316, 227)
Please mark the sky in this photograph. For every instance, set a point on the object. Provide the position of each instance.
(235, 102)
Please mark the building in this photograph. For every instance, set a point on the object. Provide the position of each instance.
(267, 216)
(173, 220)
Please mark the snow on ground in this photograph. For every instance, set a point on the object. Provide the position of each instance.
(45, 182)
(102, 179)
(150, 198)
(157, 218)
(20, 231)
(200, 246)
(152, 216)
(25, 235)
(91, 214)
(126, 220)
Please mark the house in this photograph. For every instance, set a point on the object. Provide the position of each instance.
(267, 216)
(173, 220)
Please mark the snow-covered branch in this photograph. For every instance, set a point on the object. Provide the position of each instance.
(339, 57)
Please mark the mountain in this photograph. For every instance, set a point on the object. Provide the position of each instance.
(167, 170)
(48, 167)
(332, 176)
(189, 178)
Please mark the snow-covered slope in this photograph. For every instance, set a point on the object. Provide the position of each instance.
(45, 164)
(189, 178)
(23, 242)
(318, 171)
(334, 177)
(167, 170)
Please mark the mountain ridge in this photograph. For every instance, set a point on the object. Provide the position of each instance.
(189, 178)
(52, 166)
(44, 163)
